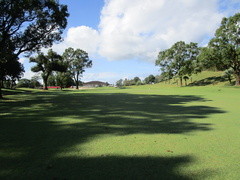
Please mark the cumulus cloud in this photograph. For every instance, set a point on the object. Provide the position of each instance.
(139, 29)
(81, 37)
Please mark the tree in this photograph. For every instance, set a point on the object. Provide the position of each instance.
(223, 51)
(35, 81)
(64, 79)
(228, 74)
(12, 70)
(77, 61)
(26, 83)
(47, 64)
(28, 25)
(185, 79)
(179, 60)
(119, 83)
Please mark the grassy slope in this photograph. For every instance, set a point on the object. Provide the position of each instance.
(146, 132)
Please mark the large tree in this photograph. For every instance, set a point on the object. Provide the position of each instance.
(78, 61)
(11, 71)
(179, 60)
(28, 25)
(47, 64)
(223, 51)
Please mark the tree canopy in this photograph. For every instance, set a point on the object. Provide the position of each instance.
(223, 51)
(179, 60)
(47, 64)
(28, 25)
(77, 61)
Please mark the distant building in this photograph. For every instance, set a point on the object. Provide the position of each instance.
(95, 84)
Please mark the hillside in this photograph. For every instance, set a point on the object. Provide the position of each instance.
(204, 78)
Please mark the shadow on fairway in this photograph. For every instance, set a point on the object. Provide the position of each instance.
(31, 136)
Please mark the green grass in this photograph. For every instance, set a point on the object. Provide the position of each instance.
(144, 132)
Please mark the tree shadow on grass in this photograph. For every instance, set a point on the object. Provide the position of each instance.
(34, 130)
(207, 81)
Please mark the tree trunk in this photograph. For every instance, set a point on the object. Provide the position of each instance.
(237, 79)
(180, 81)
(45, 83)
(76, 80)
(230, 80)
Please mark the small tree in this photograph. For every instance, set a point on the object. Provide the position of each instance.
(26, 83)
(35, 81)
(119, 83)
(228, 74)
(77, 61)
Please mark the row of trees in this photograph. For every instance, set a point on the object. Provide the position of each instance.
(25, 27)
(151, 79)
(222, 53)
(70, 65)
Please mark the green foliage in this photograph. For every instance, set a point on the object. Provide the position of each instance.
(150, 79)
(64, 79)
(47, 64)
(228, 74)
(25, 83)
(26, 26)
(35, 81)
(179, 60)
(77, 61)
(10, 71)
(223, 51)
(119, 83)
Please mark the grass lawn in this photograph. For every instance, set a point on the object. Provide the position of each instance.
(145, 132)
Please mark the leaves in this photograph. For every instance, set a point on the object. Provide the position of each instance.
(223, 51)
(179, 60)
(77, 61)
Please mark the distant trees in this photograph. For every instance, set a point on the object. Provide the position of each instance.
(28, 25)
(179, 60)
(150, 79)
(223, 51)
(77, 61)
(119, 83)
(47, 64)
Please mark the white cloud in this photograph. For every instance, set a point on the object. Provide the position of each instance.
(30, 74)
(81, 37)
(139, 29)
(22, 60)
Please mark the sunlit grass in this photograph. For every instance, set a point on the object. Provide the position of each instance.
(143, 132)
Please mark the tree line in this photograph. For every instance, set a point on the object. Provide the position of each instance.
(222, 53)
(184, 59)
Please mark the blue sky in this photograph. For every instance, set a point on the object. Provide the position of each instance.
(123, 37)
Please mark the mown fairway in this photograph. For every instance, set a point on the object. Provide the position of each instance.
(145, 132)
